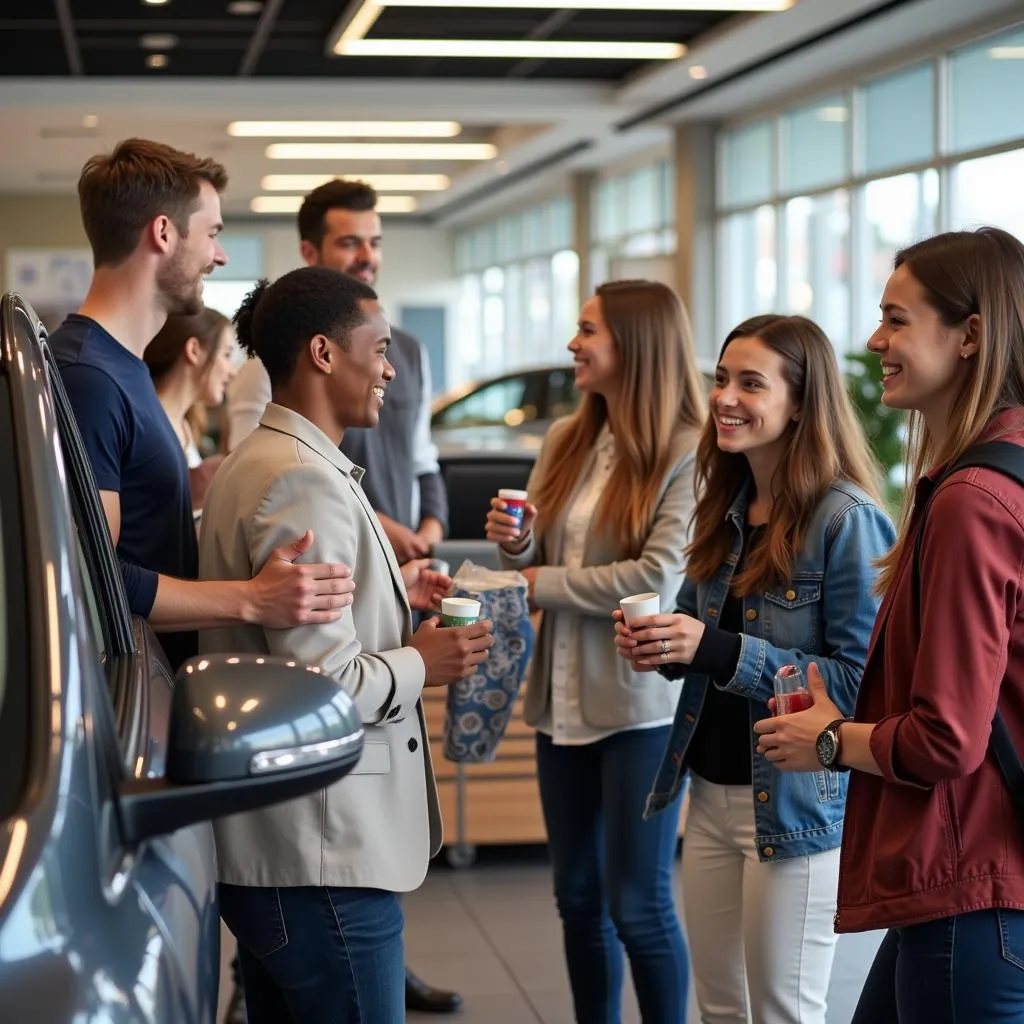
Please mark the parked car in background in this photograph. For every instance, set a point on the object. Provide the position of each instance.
(488, 433)
(111, 769)
(500, 411)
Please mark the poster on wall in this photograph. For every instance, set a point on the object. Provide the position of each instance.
(53, 281)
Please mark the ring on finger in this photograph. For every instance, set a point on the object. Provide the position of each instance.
(666, 649)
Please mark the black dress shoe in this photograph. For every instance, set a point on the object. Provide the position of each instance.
(427, 999)
(236, 1012)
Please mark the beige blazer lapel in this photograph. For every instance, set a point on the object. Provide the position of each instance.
(382, 539)
(286, 421)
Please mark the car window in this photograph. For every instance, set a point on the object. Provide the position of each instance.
(498, 403)
(92, 609)
(562, 396)
(14, 626)
(96, 547)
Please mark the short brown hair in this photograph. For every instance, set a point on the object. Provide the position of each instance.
(357, 196)
(122, 191)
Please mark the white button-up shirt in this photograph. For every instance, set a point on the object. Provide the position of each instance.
(563, 720)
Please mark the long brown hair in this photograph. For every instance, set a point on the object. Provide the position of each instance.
(164, 351)
(825, 443)
(661, 399)
(966, 273)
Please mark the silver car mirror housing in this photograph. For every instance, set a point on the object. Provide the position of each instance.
(247, 731)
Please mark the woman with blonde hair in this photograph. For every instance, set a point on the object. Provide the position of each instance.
(933, 845)
(780, 571)
(610, 500)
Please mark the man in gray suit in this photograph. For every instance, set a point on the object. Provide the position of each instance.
(309, 887)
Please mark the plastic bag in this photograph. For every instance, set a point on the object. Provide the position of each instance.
(478, 708)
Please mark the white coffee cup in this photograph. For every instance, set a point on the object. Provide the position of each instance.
(459, 611)
(639, 606)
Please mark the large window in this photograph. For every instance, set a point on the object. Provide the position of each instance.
(632, 218)
(518, 302)
(814, 203)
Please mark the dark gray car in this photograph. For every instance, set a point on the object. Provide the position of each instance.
(110, 769)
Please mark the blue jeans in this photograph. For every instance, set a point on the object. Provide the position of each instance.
(613, 875)
(312, 955)
(967, 969)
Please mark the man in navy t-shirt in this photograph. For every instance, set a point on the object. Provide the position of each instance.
(152, 216)
(134, 453)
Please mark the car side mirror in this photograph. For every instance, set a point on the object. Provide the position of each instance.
(247, 731)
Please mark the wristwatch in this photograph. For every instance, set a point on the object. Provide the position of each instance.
(827, 747)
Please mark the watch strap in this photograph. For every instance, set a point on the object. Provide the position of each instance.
(833, 728)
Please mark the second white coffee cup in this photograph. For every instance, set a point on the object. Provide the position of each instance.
(639, 606)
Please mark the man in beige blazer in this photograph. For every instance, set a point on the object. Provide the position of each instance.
(309, 887)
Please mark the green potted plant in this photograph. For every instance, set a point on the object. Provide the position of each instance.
(885, 427)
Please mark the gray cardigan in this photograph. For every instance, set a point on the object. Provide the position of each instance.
(612, 695)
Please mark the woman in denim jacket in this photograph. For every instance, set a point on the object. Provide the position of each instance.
(780, 571)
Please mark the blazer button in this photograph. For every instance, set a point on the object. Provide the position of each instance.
(763, 797)
(751, 615)
(689, 719)
(769, 851)
(790, 595)
(413, 745)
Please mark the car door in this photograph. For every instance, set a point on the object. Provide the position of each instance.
(165, 888)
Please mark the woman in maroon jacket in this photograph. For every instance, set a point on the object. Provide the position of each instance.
(932, 848)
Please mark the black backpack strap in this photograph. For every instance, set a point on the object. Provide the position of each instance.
(1008, 459)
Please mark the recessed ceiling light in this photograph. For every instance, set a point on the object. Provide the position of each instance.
(381, 182)
(833, 114)
(156, 60)
(698, 72)
(1007, 52)
(158, 41)
(346, 129)
(90, 121)
(154, 3)
(290, 204)
(508, 49)
(245, 7)
(381, 151)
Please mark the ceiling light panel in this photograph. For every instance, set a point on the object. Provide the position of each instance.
(511, 49)
(345, 129)
(381, 151)
(381, 182)
(291, 204)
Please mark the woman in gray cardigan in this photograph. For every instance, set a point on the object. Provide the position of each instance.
(610, 501)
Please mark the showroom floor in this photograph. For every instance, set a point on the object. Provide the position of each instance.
(492, 933)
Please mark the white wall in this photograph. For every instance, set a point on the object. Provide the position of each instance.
(418, 268)
(418, 264)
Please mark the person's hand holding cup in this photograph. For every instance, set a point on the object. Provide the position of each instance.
(453, 647)
(633, 609)
(511, 518)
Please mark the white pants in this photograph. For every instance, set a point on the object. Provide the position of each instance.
(761, 934)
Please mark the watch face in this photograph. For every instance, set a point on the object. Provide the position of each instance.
(826, 748)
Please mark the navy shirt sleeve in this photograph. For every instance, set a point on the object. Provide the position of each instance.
(103, 420)
(104, 423)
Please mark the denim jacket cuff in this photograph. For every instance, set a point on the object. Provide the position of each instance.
(749, 668)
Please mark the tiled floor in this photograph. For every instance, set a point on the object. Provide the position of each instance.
(491, 932)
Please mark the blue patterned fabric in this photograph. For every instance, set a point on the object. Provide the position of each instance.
(479, 707)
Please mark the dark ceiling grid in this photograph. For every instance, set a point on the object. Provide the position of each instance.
(100, 38)
(67, 32)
